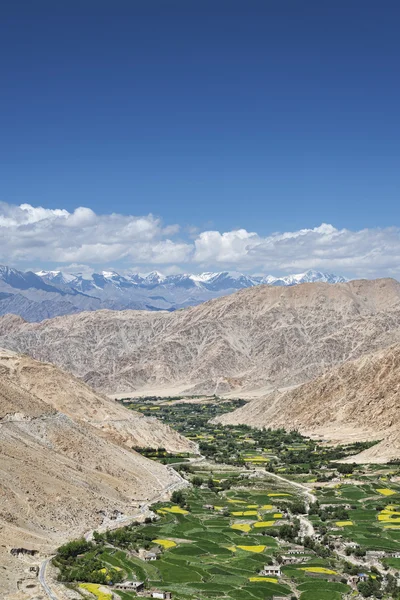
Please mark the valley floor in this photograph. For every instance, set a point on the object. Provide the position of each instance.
(270, 514)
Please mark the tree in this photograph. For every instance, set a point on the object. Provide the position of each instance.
(197, 481)
(72, 549)
(178, 497)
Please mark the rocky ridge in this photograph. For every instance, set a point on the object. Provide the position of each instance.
(47, 294)
(62, 471)
(359, 400)
(70, 396)
(262, 337)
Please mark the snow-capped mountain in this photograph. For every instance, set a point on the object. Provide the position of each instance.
(56, 277)
(310, 276)
(44, 294)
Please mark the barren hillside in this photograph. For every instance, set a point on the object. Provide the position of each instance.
(59, 478)
(72, 397)
(359, 400)
(259, 337)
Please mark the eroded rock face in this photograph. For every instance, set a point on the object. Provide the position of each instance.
(63, 392)
(259, 337)
(64, 465)
(359, 400)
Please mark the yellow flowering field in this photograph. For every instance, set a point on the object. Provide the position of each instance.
(388, 519)
(244, 513)
(165, 543)
(241, 527)
(176, 510)
(321, 570)
(256, 549)
(386, 492)
(94, 588)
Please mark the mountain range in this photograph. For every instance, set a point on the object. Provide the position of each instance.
(322, 358)
(259, 338)
(46, 294)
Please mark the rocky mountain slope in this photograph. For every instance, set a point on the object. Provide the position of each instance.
(46, 294)
(60, 475)
(358, 400)
(262, 337)
(72, 397)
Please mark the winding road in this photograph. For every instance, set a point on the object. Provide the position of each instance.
(307, 528)
(43, 582)
(46, 584)
(306, 525)
(310, 497)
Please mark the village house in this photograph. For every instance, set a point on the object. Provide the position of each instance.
(160, 594)
(351, 545)
(23, 551)
(271, 570)
(291, 560)
(132, 586)
(208, 506)
(296, 550)
(354, 579)
(149, 556)
(371, 554)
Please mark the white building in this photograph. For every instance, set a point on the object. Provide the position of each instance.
(133, 586)
(160, 594)
(271, 570)
(296, 550)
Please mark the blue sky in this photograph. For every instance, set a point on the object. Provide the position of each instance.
(263, 116)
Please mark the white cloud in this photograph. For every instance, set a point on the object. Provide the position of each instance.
(36, 235)
(30, 233)
(364, 253)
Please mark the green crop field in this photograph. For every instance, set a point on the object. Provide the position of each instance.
(214, 538)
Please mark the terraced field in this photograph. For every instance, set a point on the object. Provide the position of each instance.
(373, 520)
(208, 556)
(215, 539)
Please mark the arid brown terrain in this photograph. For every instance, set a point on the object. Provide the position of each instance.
(64, 470)
(66, 461)
(261, 337)
(359, 400)
(71, 396)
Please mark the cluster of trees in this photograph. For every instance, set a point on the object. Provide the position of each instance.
(338, 512)
(289, 531)
(376, 586)
(79, 560)
(223, 485)
(371, 588)
(161, 454)
(150, 452)
(178, 497)
(297, 507)
(355, 551)
(131, 537)
(323, 549)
